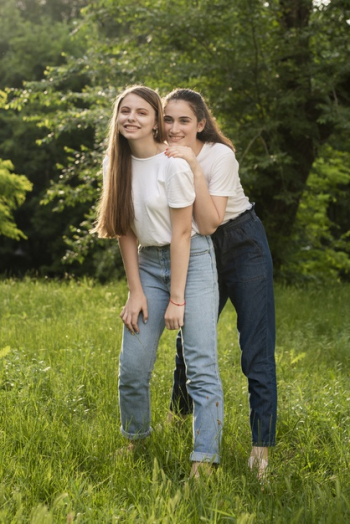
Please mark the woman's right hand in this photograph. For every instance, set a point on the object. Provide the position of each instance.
(136, 303)
(184, 152)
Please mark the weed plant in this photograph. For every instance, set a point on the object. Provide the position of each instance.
(63, 459)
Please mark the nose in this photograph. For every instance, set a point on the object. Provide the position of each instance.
(174, 128)
(131, 116)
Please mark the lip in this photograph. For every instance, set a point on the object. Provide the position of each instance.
(175, 138)
(130, 127)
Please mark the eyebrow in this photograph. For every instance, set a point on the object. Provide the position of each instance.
(169, 116)
(137, 109)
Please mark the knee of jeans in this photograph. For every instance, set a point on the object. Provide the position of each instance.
(133, 373)
(133, 381)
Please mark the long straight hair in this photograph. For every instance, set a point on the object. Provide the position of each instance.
(211, 131)
(115, 213)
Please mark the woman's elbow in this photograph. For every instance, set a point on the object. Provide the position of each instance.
(208, 228)
(182, 235)
(205, 231)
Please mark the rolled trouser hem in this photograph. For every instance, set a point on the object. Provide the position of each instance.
(197, 456)
(268, 444)
(135, 436)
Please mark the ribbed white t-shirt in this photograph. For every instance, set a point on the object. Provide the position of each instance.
(158, 183)
(220, 168)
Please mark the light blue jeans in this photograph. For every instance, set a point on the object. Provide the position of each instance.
(138, 353)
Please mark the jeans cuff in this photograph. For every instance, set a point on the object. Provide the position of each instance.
(197, 456)
(262, 444)
(135, 436)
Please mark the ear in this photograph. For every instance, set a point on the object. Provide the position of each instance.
(201, 125)
(155, 131)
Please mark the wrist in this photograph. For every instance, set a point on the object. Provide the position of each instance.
(196, 168)
(180, 304)
(177, 297)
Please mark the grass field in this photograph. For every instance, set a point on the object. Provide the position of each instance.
(59, 419)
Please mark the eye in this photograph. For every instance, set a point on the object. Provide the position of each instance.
(168, 119)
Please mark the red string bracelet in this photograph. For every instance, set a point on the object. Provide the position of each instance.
(175, 304)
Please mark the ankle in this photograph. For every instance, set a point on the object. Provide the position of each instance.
(260, 452)
(201, 469)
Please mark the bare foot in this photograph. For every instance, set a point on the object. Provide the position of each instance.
(259, 461)
(133, 446)
(170, 417)
(201, 468)
(125, 450)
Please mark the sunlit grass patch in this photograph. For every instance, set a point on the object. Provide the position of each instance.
(60, 443)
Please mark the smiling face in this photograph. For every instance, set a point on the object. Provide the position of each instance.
(181, 124)
(136, 118)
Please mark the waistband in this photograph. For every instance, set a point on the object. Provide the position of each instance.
(196, 241)
(243, 217)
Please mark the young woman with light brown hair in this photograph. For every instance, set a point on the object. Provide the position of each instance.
(147, 202)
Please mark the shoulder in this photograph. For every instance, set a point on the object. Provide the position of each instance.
(218, 150)
(177, 165)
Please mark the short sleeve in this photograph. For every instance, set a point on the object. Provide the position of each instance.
(224, 175)
(179, 184)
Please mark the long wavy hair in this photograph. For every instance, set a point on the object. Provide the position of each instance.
(115, 213)
(211, 131)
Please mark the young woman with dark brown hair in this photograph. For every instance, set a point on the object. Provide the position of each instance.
(243, 257)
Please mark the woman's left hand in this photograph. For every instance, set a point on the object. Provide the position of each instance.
(174, 316)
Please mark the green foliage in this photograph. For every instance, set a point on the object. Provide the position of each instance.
(26, 41)
(33, 36)
(61, 452)
(319, 251)
(13, 189)
(276, 75)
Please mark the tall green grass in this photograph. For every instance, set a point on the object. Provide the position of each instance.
(61, 452)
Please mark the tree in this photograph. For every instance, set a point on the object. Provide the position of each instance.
(13, 189)
(33, 35)
(319, 248)
(275, 73)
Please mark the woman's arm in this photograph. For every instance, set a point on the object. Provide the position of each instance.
(181, 224)
(209, 211)
(137, 301)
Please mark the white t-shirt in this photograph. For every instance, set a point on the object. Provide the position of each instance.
(158, 183)
(220, 168)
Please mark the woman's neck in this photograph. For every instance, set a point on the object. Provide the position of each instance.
(198, 147)
(146, 149)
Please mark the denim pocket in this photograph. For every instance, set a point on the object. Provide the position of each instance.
(243, 250)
